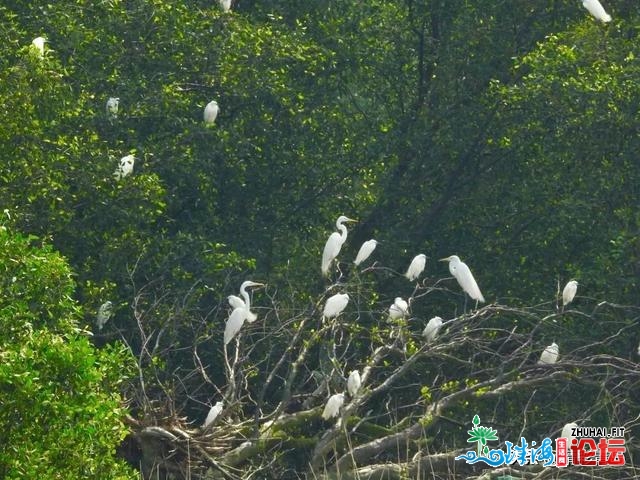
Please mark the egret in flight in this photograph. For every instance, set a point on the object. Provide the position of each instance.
(353, 383)
(104, 314)
(240, 313)
(597, 10)
(112, 107)
(569, 292)
(334, 244)
(464, 277)
(398, 309)
(333, 406)
(213, 414)
(430, 332)
(550, 354)
(366, 249)
(211, 112)
(335, 305)
(416, 267)
(125, 168)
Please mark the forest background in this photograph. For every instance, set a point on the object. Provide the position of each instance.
(505, 132)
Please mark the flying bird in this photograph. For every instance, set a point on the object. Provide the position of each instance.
(430, 332)
(211, 112)
(365, 251)
(333, 406)
(213, 414)
(125, 167)
(334, 244)
(463, 275)
(416, 267)
(569, 292)
(353, 383)
(241, 312)
(597, 10)
(550, 354)
(335, 305)
(104, 314)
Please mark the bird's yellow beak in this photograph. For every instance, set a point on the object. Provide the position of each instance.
(444, 259)
(351, 220)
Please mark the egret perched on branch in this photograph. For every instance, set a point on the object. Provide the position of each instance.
(416, 267)
(213, 414)
(569, 292)
(38, 43)
(354, 383)
(430, 332)
(241, 312)
(597, 10)
(550, 354)
(211, 112)
(104, 314)
(333, 406)
(464, 277)
(566, 431)
(225, 5)
(125, 168)
(366, 249)
(335, 305)
(334, 244)
(112, 107)
(398, 309)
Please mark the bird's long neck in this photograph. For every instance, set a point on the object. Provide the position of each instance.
(247, 300)
(343, 233)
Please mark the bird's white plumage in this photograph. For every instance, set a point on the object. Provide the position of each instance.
(463, 275)
(213, 414)
(569, 292)
(398, 309)
(416, 267)
(211, 112)
(430, 332)
(335, 305)
(333, 406)
(550, 354)
(365, 251)
(334, 244)
(112, 106)
(125, 167)
(241, 311)
(566, 431)
(225, 5)
(597, 10)
(104, 314)
(38, 43)
(353, 383)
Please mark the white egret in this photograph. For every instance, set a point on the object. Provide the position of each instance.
(550, 354)
(430, 332)
(225, 5)
(569, 292)
(112, 107)
(335, 305)
(464, 277)
(240, 313)
(399, 309)
(416, 267)
(353, 383)
(235, 302)
(566, 431)
(125, 168)
(104, 314)
(334, 244)
(366, 249)
(211, 112)
(597, 10)
(638, 349)
(213, 414)
(333, 406)
(38, 43)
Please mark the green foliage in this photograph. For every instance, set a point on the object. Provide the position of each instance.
(60, 409)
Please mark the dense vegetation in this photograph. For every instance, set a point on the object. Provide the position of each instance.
(504, 132)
